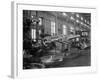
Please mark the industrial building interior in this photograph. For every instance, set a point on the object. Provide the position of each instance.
(53, 39)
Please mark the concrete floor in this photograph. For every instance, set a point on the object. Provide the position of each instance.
(77, 58)
(82, 59)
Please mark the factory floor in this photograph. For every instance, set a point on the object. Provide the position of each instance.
(80, 58)
(76, 58)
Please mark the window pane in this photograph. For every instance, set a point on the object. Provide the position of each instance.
(52, 28)
(33, 34)
(64, 30)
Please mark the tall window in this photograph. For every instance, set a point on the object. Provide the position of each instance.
(64, 30)
(33, 34)
(53, 28)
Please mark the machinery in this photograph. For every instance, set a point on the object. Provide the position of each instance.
(41, 50)
(83, 42)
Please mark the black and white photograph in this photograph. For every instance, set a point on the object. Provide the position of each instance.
(56, 39)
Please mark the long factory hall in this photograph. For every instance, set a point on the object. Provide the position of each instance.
(54, 39)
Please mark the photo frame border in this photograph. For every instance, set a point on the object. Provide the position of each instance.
(17, 70)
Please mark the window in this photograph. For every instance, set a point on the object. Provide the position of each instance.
(52, 28)
(39, 32)
(33, 34)
(64, 30)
